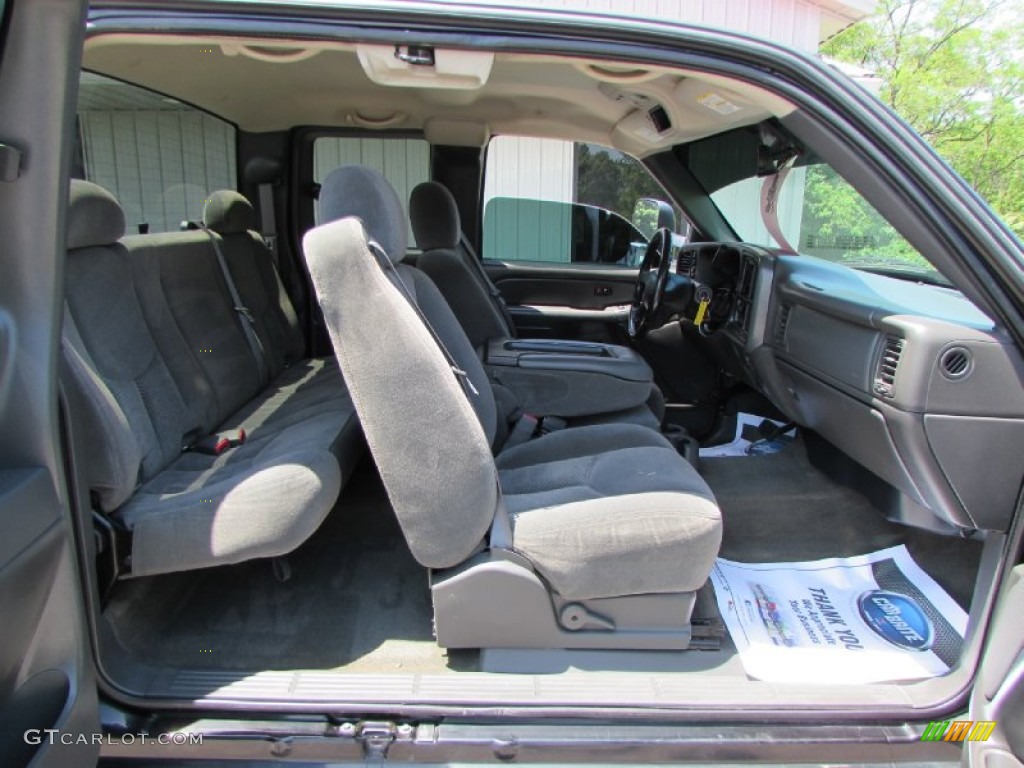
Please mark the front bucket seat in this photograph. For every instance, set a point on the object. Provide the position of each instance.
(594, 537)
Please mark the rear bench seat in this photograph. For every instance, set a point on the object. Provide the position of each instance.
(159, 358)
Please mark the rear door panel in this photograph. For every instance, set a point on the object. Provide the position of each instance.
(47, 688)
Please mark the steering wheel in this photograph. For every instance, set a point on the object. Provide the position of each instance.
(650, 283)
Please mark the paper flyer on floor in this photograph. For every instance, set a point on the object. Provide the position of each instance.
(865, 619)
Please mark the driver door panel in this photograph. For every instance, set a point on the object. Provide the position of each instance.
(565, 302)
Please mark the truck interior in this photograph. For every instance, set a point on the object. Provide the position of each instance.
(366, 417)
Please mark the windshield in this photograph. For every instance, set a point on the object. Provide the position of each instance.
(819, 213)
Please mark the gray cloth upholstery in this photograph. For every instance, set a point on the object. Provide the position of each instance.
(641, 415)
(468, 297)
(600, 511)
(94, 216)
(434, 217)
(227, 211)
(438, 230)
(256, 278)
(155, 353)
(431, 450)
(610, 510)
(198, 332)
(378, 206)
(470, 294)
(110, 346)
(263, 501)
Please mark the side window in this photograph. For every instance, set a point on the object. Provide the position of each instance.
(547, 200)
(161, 158)
(404, 162)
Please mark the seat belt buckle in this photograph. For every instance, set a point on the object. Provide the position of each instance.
(219, 442)
(549, 424)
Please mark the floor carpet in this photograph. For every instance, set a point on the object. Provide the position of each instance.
(778, 508)
(357, 601)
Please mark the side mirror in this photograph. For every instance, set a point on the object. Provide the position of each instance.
(650, 215)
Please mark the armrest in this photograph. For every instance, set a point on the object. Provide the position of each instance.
(552, 377)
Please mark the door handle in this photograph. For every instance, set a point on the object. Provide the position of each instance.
(603, 290)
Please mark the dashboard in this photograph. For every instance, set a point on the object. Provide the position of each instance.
(909, 380)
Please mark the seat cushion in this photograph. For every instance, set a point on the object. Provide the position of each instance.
(610, 510)
(257, 500)
(311, 390)
(155, 355)
(640, 415)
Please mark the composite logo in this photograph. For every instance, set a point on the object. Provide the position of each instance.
(897, 619)
(959, 730)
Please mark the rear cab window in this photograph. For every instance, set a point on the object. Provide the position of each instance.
(403, 161)
(161, 158)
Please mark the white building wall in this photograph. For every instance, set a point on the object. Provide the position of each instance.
(404, 163)
(798, 23)
(161, 164)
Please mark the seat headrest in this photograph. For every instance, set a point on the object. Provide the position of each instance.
(355, 190)
(228, 211)
(435, 217)
(94, 216)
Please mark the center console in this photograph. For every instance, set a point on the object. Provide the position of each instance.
(552, 377)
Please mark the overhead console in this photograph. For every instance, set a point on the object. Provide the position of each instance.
(909, 380)
(569, 378)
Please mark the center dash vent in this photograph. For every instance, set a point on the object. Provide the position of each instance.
(686, 261)
(888, 363)
(782, 324)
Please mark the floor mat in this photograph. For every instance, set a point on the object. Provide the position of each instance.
(749, 441)
(779, 508)
(872, 618)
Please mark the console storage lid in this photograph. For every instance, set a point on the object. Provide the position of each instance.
(570, 378)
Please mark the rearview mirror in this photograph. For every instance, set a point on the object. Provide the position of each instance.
(650, 215)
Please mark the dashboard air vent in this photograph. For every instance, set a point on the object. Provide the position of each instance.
(782, 325)
(888, 363)
(955, 363)
(685, 262)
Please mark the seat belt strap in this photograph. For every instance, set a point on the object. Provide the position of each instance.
(248, 321)
(489, 286)
(268, 222)
(501, 526)
(385, 263)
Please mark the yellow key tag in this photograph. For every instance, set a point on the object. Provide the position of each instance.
(701, 311)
